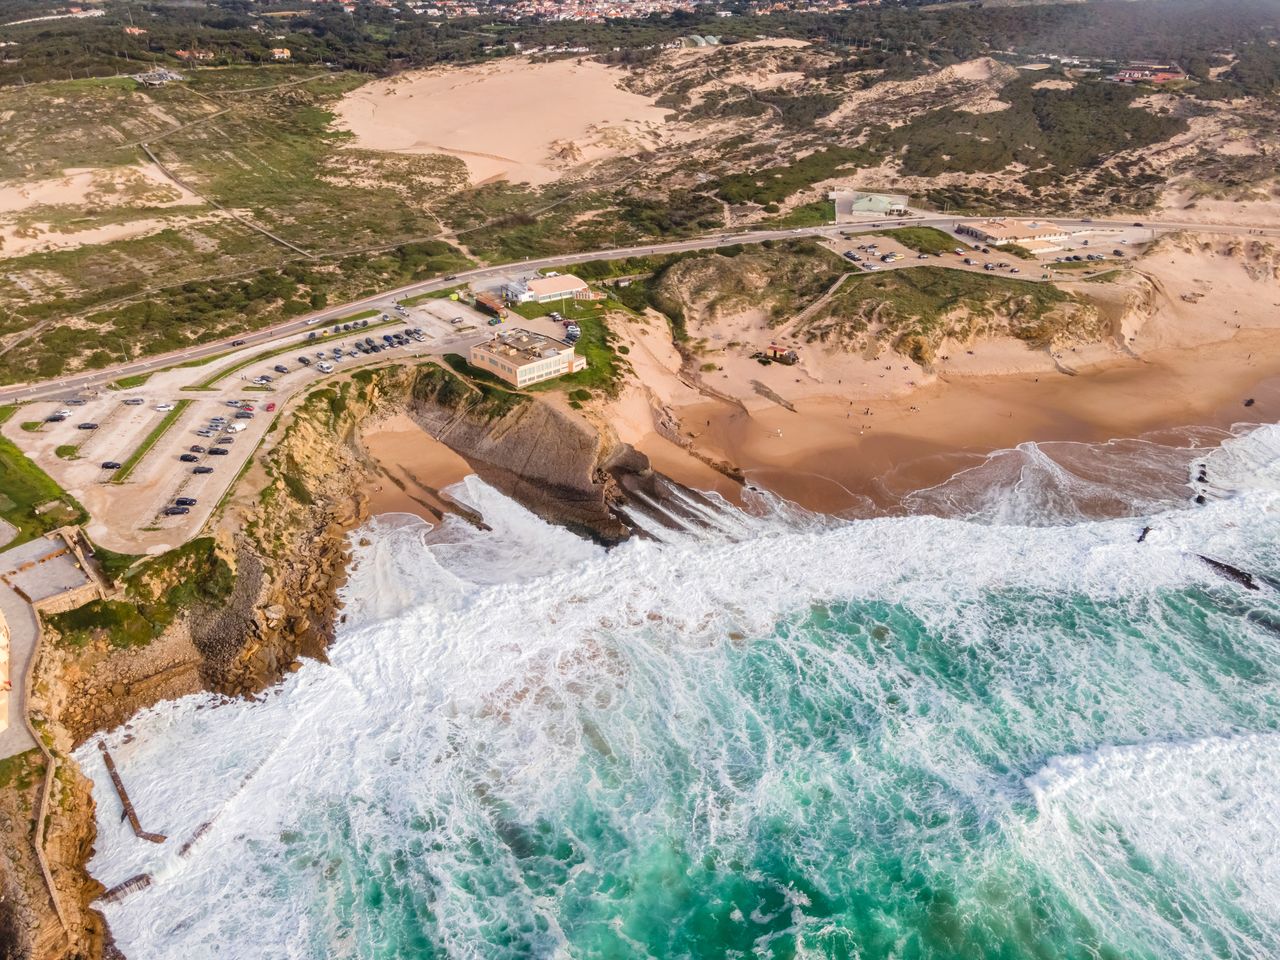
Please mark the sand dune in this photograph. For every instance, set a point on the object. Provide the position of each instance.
(512, 120)
(115, 186)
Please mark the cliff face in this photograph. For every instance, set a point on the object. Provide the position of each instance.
(557, 465)
(284, 536)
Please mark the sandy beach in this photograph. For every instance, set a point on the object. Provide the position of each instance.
(840, 431)
(415, 467)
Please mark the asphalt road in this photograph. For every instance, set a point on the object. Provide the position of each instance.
(97, 378)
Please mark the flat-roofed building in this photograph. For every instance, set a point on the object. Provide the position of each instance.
(522, 357)
(557, 286)
(999, 232)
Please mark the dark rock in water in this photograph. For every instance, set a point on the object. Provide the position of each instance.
(1249, 402)
(1143, 535)
(1234, 574)
(1200, 498)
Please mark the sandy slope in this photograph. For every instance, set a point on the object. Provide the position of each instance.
(141, 184)
(512, 120)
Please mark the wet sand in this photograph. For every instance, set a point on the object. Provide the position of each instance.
(838, 455)
(415, 467)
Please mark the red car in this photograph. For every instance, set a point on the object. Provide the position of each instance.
(247, 407)
(271, 408)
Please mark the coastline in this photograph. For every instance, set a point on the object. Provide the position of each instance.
(831, 455)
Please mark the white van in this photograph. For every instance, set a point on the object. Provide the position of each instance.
(324, 367)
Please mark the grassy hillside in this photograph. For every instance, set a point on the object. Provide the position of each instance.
(914, 310)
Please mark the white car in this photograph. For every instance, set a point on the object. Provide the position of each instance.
(164, 407)
(313, 320)
(324, 367)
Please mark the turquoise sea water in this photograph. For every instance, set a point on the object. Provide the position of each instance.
(901, 738)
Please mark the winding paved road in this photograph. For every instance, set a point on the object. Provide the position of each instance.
(82, 381)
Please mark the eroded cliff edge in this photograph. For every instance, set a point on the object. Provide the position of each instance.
(264, 594)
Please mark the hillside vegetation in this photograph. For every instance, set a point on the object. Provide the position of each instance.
(914, 310)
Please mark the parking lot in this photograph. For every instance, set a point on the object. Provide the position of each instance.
(129, 513)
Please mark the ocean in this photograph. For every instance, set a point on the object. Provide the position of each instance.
(1019, 719)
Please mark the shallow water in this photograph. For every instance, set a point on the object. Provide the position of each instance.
(1019, 734)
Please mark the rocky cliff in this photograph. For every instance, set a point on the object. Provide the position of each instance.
(283, 535)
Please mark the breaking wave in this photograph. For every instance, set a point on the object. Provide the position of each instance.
(770, 734)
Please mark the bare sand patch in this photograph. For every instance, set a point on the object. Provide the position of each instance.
(142, 185)
(17, 241)
(510, 120)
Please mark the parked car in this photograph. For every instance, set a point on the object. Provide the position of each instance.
(176, 511)
(305, 361)
(202, 470)
(196, 448)
(110, 465)
(204, 433)
(86, 426)
(189, 458)
(219, 452)
(185, 501)
(164, 407)
(55, 418)
(280, 368)
(247, 406)
(270, 408)
(324, 367)
(77, 402)
(225, 440)
(244, 415)
(134, 402)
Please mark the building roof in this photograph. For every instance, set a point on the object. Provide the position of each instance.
(564, 283)
(1015, 229)
(520, 346)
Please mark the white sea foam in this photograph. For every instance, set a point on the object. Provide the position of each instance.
(471, 662)
(1118, 824)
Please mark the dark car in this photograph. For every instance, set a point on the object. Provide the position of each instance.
(237, 343)
(135, 402)
(1137, 223)
(219, 452)
(280, 368)
(364, 323)
(185, 501)
(55, 418)
(196, 448)
(369, 341)
(226, 440)
(77, 402)
(176, 511)
(244, 415)
(202, 470)
(110, 465)
(305, 361)
(189, 458)
(346, 326)
(1117, 253)
(86, 426)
